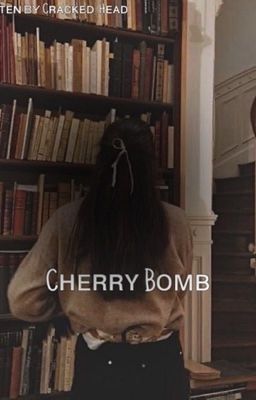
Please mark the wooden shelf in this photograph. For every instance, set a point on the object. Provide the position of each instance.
(7, 317)
(21, 239)
(83, 28)
(63, 166)
(41, 165)
(55, 395)
(82, 102)
(238, 279)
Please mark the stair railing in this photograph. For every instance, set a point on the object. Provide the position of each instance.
(252, 246)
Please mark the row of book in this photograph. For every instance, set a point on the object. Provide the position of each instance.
(52, 136)
(150, 16)
(30, 364)
(24, 209)
(116, 69)
(9, 262)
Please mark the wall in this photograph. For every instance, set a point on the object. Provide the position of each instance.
(235, 38)
(234, 139)
(235, 86)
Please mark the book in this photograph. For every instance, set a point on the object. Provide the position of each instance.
(201, 371)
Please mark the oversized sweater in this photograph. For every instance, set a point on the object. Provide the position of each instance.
(30, 298)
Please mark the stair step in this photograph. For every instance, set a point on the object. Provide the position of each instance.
(239, 323)
(234, 288)
(234, 341)
(243, 219)
(231, 262)
(237, 183)
(231, 243)
(233, 201)
(237, 279)
(227, 232)
(247, 169)
(245, 255)
(243, 211)
(231, 348)
(229, 306)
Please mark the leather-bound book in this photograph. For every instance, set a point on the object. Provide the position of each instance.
(148, 74)
(127, 70)
(115, 70)
(19, 212)
(5, 128)
(15, 372)
(135, 73)
(7, 217)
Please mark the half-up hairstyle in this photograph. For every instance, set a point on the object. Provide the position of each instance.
(119, 230)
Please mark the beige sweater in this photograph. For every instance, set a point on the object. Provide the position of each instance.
(31, 300)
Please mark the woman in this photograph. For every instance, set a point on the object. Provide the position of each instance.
(129, 347)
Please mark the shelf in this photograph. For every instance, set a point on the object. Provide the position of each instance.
(41, 165)
(9, 238)
(56, 395)
(7, 317)
(63, 166)
(83, 28)
(78, 100)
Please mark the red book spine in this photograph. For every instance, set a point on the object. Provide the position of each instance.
(1, 205)
(15, 372)
(164, 139)
(148, 75)
(3, 48)
(7, 54)
(164, 17)
(19, 212)
(157, 142)
(34, 213)
(135, 73)
(5, 129)
(139, 16)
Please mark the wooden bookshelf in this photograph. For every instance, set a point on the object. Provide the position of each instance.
(17, 239)
(82, 29)
(64, 166)
(7, 317)
(26, 171)
(79, 101)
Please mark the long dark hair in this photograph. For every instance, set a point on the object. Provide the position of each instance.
(123, 229)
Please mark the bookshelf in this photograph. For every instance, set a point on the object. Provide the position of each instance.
(94, 106)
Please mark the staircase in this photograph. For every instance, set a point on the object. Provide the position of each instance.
(234, 282)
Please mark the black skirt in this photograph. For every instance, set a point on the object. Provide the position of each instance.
(122, 371)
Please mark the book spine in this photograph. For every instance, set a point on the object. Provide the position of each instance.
(7, 218)
(4, 281)
(15, 372)
(5, 129)
(115, 70)
(148, 74)
(135, 74)
(19, 212)
(143, 49)
(127, 70)
(28, 213)
(160, 72)
(164, 17)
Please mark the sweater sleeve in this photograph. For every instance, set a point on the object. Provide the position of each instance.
(28, 294)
